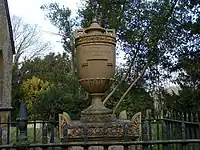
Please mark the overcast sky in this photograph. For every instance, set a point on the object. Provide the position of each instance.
(31, 13)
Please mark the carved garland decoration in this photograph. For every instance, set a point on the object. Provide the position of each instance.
(95, 38)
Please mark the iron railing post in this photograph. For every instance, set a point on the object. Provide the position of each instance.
(85, 136)
(146, 130)
(44, 135)
(22, 126)
(183, 128)
(125, 128)
(65, 136)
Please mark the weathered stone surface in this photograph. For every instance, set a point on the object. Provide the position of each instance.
(111, 130)
(105, 131)
(105, 115)
(63, 119)
(101, 148)
(95, 46)
(5, 117)
(6, 55)
(123, 115)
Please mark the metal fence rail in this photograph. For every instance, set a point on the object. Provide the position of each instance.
(172, 131)
(86, 145)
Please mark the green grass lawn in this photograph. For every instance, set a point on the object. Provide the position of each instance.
(31, 135)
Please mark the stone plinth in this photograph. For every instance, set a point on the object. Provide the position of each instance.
(102, 131)
(119, 130)
(97, 113)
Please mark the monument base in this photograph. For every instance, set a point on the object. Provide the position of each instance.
(118, 130)
(97, 112)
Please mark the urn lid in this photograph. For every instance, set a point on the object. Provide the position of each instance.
(95, 28)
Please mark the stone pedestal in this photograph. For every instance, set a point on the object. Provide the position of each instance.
(102, 131)
(119, 130)
(97, 112)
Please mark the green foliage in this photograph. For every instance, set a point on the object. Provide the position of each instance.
(189, 81)
(61, 18)
(67, 96)
(158, 32)
(65, 93)
(31, 89)
(138, 99)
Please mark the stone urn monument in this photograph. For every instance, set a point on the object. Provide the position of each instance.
(96, 61)
(95, 55)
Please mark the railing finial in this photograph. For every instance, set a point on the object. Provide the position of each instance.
(22, 122)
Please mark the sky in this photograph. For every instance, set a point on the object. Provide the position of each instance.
(30, 12)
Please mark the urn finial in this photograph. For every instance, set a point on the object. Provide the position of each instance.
(94, 20)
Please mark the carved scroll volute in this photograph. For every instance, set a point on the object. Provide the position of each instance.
(79, 32)
(63, 119)
(136, 121)
(110, 32)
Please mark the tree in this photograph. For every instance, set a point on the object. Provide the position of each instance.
(189, 82)
(138, 99)
(28, 41)
(28, 45)
(61, 18)
(151, 33)
(64, 97)
(31, 89)
(137, 30)
(64, 93)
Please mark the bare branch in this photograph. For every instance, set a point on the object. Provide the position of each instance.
(28, 41)
(129, 68)
(120, 82)
(131, 86)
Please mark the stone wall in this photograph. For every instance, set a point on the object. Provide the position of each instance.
(6, 68)
(5, 100)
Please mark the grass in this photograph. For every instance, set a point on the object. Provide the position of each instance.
(31, 134)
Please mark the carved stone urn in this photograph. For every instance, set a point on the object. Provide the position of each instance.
(96, 60)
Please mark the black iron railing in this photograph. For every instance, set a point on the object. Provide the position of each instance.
(173, 131)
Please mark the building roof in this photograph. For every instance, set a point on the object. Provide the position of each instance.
(9, 26)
